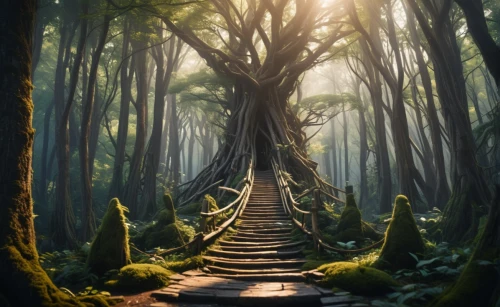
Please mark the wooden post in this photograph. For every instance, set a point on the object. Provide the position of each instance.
(314, 218)
(203, 220)
(198, 243)
(349, 189)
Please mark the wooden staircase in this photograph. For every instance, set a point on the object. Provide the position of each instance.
(262, 247)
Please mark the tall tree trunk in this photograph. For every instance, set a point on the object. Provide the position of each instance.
(23, 282)
(346, 148)
(442, 191)
(152, 156)
(88, 218)
(131, 190)
(63, 220)
(363, 149)
(191, 142)
(42, 189)
(334, 153)
(470, 191)
(384, 186)
(126, 77)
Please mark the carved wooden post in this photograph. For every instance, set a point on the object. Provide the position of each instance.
(203, 220)
(314, 218)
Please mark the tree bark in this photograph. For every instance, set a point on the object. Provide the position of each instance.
(126, 77)
(88, 218)
(23, 282)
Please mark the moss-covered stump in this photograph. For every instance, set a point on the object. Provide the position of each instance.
(140, 277)
(190, 209)
(350, 226)
(357, 279)
(401, 238)
(110, 249)
(479, 283)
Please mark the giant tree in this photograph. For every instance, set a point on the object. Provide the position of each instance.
(264, 46)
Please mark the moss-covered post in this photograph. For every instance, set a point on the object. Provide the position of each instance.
(198, 243)
(23, 282)
(350, 225)
(203, 219)
(314, 218)
(401, 238)
(110, 248)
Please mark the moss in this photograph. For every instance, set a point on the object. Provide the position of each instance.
(401, 238)
(369, 231)
(94, 300)
(349, 227)
(26, 283)
(110, 248)
(313, 264)
(168, 202)
(357, 279)
(165, 236)
(140, 277)
(185, 265)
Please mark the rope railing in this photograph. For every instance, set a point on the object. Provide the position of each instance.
(291, 207)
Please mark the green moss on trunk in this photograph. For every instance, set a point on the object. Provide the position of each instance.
(479, 283)
(401, 238)
(110, 249)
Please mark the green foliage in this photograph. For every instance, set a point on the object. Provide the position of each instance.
(140, 277)
(190, 209)
(401, 238)
(184, 265)
(357, 279)
(110, 249)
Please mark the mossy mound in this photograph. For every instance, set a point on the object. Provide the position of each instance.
(110, 249)
(167, 232)
(401, 238)
(357, 279)
(350, 226)
(185, 265)
(313, 264)
(140, 277)
(165, 236)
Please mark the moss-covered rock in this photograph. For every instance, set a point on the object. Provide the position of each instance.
(357, 279)
(350, 226)
(401, 238)
(110, 249)
(185, 265)
(140, 277)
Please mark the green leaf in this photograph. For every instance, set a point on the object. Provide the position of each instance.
(414, 256)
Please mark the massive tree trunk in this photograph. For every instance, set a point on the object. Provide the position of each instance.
(42, 179)
(23, 282)
(346, 148)
(126, 77)
(88, 218)
(470, 191)
(363, 149)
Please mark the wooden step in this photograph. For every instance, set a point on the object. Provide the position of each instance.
(254, 263)
(261, 247)
(255, 255)
(277, 230)
(233, 271)
(266, 238)
(285, 277)
(261, 235)
(264, 219)
(246, 243)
